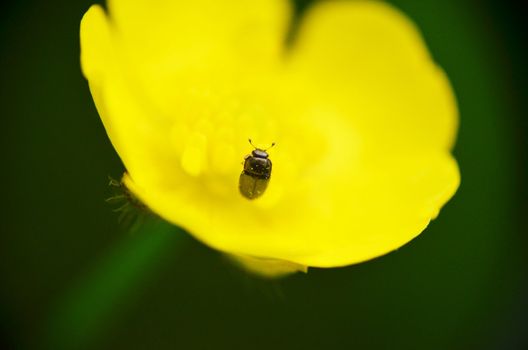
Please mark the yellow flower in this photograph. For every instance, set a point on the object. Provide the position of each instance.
(363, 119)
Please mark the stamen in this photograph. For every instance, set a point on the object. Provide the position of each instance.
(194, 156)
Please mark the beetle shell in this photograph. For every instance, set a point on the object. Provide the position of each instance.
(252, 187)
(255, 176)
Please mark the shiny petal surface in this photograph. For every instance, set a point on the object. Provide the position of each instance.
(371, 61)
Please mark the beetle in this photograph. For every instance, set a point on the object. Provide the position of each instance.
(256, 173)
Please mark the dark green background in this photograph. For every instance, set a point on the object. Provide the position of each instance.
(72, 278)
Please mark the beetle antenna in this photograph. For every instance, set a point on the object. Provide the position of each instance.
(255, 147)
(272, 144)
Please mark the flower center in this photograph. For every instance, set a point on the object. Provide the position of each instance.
(211, 130)
(212, 125)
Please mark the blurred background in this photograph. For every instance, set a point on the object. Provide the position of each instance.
(72, 277)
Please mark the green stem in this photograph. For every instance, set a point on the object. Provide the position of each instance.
(98, 296)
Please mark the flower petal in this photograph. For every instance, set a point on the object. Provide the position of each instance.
(182, 44)
(336, 221)
(96, 46)
(269, 268)
(369, 60)
(133, 131)
(254, 29)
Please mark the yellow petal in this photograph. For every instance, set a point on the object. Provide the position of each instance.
(198, 43)
(169, 27)
(96, 46)
(269, 268)
(370, 60)
(337, 220)
(132, 128)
